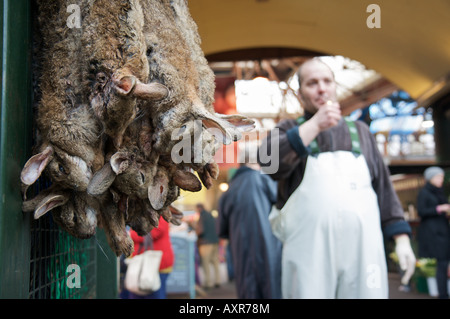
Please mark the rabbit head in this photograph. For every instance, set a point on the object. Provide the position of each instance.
(63, 169)
(112, 220)
(74, 212)
(141, 217)
(182, 121)
(133, 176)
(78, 217)
(114, 101)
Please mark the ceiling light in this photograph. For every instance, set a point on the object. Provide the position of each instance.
(223, 187)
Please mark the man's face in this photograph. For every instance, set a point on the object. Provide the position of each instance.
(317, 86)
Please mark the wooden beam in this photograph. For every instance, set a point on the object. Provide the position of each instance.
(367, 95)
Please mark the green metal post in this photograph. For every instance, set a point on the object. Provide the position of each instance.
(15, 143)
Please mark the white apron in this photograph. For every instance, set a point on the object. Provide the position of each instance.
(331, 233)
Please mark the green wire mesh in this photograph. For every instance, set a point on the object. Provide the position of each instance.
(52, 252)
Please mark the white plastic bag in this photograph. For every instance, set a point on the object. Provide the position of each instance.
(142, 276)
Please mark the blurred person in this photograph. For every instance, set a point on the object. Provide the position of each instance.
(244, 220)
(225, 254)
(433, 234)
(208, 246)
(335, 199)
(160, 241)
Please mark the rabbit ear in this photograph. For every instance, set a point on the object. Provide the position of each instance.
(48, 203)
(175, 211)
(119, 162)
(177, 216)
(226, 128)
(101, 180)
(243, 123)
(34, 167)
(150, 91)
(131, 86)
(125, 85)
(158, 190)
(208, 173)
(31, 204)
(167, 215)
(187, 180)
(220, 133)
(215, 126)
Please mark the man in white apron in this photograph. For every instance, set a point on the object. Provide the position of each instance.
(335, 200)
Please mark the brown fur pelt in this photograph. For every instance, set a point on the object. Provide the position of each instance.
(115, 96)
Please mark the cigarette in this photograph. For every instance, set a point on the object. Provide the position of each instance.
(329, 102)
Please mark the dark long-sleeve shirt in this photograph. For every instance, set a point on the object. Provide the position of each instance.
(292, 157)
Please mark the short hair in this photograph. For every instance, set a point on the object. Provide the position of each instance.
(315, 59)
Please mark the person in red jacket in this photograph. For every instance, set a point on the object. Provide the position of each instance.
(161, 241)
